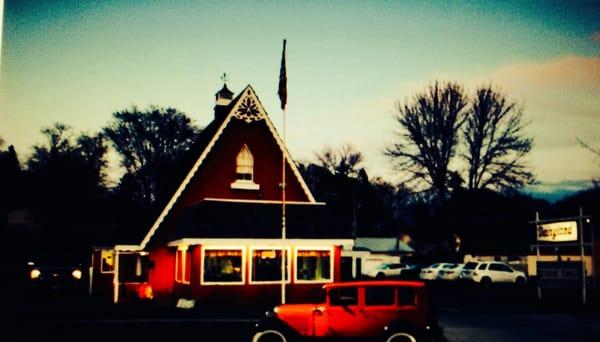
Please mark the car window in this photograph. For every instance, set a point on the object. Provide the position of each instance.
(406, 296)
(500, 267)
(482, 267)
(450, 266)
(379, 295)
(434, 266)
(470, 265)
(343, 296)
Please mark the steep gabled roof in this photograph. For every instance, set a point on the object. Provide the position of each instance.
(246, 106)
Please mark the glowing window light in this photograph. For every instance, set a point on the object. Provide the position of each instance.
(77, 274)
(34, 274)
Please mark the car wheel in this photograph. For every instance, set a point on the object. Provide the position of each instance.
(486, 282)
(270, 335)
(520, 281)
(401, 336)
(380, 275)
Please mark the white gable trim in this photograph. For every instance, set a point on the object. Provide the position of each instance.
(297, 243)
(248, 91)
(235, 200)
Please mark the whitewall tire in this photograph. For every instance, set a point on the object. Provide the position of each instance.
(401, 337)
(269, 335)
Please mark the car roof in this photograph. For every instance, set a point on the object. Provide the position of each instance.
(402, 283)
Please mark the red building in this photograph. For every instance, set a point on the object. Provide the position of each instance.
(219, 238)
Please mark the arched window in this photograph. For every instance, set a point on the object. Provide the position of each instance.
(245, 164)
(244, 170)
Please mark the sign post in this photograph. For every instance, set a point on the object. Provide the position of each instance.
(582, 255)
(557, 233)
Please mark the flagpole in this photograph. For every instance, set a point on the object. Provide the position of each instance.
(283, 227)
(283, 98)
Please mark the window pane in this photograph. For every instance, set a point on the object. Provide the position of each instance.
(343, 296)
(379, 296)
(313, 265)
(107, 262)
(482, 267)
(223, 265)
(266, 265)
(406, 296)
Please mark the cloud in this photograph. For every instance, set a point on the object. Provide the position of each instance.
(596, 36)
(569, 71)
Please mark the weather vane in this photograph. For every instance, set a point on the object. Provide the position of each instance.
(224, 78)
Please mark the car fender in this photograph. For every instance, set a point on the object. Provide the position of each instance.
(403, 326)
(275, 323)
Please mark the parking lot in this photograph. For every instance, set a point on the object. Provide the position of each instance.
(467, 312)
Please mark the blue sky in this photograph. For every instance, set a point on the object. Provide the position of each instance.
(348, 63)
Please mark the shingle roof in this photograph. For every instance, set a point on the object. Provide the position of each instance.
(221, 219)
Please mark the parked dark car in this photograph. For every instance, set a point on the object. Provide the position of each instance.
(56, 277)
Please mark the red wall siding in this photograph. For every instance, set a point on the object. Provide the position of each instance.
(337, 263)
(162, 276)
(218, 170)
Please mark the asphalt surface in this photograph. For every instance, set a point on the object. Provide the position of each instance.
(466, 313)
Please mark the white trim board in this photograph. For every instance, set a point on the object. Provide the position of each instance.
(299, 243)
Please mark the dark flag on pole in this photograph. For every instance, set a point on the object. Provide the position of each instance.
(283, 80)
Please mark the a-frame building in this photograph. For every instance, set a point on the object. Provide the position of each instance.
(218, 240)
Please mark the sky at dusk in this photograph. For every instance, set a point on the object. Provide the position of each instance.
(347, 63)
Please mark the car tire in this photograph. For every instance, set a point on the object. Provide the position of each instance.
(380, 275)
(486, 282)
(520, 281)
(270, 335)
(401, 336)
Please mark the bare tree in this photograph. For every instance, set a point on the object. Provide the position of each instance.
(428, 135)
(343, 161)
(589, 147)
(496, 145)
(595, 151)
(151, 143)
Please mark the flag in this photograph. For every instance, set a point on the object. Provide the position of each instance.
(283, 80)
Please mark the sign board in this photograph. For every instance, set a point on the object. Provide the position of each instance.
(557, 231)
(559, 274)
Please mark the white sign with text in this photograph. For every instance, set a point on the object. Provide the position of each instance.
(557, 231)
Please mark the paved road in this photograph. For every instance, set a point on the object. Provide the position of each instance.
(492, 327)
(466, 315)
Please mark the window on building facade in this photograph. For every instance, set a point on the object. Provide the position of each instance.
(244, 170)
(107, 262)
(222, 266)
(313, 265)
(266, 265)
(182, 267)
(245, 164)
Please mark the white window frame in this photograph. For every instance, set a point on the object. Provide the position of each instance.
(183, 250)
(288, 252)
(216, 247)
(244, 184)
(315, 248)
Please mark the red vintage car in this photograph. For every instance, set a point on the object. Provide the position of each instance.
(385, 310)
